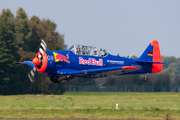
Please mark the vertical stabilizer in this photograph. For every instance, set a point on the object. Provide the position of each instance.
(152, 53)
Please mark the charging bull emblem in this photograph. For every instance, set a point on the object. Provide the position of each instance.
(59, 57)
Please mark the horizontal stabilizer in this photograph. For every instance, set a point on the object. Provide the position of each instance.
(29, 63)
(144, 61)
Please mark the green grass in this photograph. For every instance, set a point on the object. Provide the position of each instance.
(91, 105)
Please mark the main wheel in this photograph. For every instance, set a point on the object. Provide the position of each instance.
(145, 78)
(54, 79)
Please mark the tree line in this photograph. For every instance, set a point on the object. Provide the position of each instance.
(20, 38)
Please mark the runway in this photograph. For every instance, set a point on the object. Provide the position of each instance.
(71, 119)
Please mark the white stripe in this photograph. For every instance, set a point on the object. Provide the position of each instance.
(34, 69)
(43, 46)
(39, 56)
(41, 50)
(43, 42)
(32, 73)
(30, 78)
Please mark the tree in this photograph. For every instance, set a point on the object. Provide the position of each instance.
(22, 29)
(8, 54)
(19, 41)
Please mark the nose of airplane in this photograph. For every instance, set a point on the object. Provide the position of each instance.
(40, 61)
(36, 61)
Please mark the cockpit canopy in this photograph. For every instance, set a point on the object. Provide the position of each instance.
(88, 50)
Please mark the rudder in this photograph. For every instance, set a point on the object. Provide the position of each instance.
(156, 57)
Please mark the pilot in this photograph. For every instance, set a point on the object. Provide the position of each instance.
(78, 50)
(95, 52)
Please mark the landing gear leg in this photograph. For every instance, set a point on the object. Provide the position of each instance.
(145, 78)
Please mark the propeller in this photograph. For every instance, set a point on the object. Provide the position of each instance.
(43, 46)
(37, 60)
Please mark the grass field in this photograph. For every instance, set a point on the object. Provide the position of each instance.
(91, 105)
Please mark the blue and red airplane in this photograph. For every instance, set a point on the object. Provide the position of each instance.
(86, 61)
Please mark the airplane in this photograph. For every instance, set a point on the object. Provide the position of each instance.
(88, 62)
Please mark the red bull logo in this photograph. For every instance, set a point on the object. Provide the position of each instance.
(91, 61)
(59, 57)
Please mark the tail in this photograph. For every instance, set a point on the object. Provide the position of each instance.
(152, 55)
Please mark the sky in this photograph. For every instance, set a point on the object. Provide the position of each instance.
(119, 26)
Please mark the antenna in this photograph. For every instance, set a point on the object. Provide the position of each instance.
(131, 55)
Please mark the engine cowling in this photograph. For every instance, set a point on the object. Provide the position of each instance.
(44, 61)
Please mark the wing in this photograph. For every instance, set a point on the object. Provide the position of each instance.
(108, 71)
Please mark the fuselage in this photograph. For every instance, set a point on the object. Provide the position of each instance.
(66, 60)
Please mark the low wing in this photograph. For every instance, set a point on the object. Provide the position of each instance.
(124, 69)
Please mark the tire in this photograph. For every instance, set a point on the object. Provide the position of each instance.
(54, 79)
(145, 78)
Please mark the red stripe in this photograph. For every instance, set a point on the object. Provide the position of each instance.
(130, 67)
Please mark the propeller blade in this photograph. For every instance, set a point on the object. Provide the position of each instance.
(43, 46)
(32, 74)
(44, 43)
(41, 50)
